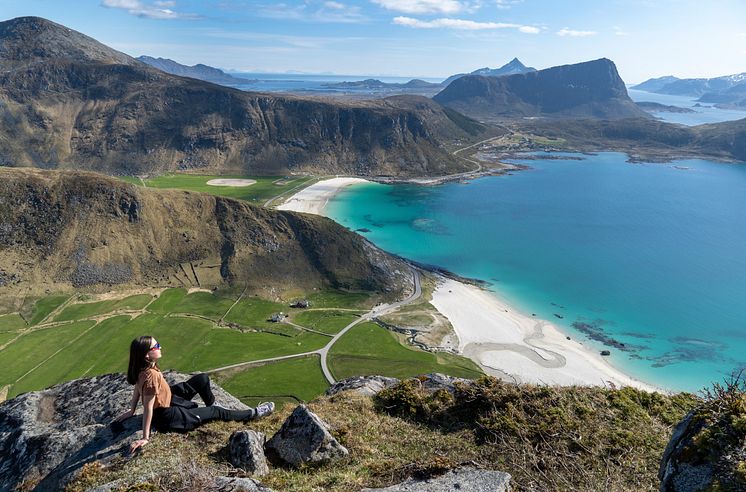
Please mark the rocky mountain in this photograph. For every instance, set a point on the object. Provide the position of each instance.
(656, 84)
(585, 90)
(68, 228)
(692, 87)
(513, 67)
(199, 71)
(67, 101)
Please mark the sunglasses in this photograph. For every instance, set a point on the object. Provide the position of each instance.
(157, 346)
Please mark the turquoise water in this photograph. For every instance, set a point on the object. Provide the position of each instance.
(652, 256)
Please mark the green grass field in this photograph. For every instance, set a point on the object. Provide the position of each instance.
(330, 322)
(370, 349)
(265, 187)
(11, 323)
(290, 381)
(45, 306)
(89, 309)
(90, 337)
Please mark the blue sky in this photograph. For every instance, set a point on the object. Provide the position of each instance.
(430, 38)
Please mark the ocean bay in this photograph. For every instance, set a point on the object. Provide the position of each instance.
(642, 259)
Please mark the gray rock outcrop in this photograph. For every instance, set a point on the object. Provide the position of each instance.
(236, 484)
(466, 479)
(47, 436)
(364, 385)
(304, 438)
(246, 449)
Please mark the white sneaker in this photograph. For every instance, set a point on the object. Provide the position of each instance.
(264, 409)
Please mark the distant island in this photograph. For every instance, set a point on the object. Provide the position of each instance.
(654, 107)
(375, 84)
(726, 92)
(199, 71)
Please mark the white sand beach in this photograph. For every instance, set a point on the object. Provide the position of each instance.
(313, 200)
(512, 345)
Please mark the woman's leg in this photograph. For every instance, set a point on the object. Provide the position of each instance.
(199, 384)
(206, 414)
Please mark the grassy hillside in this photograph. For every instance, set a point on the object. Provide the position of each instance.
(85, 230)
(83, 335)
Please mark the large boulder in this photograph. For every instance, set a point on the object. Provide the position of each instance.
(47, 436)
(304, 438)
(707, 450)
(466, 479)
(246, 449)
(364, 385)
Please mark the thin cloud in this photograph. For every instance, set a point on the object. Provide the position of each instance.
(155, 10)
(575, 34)
(506, 4)
(424, 6)
(331, 12)
(620, 32)
(461, 24)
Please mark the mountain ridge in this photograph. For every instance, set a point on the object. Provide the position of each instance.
(63, 229)
(84, 105)
(514, 66)
(589, 89)
(199, 71)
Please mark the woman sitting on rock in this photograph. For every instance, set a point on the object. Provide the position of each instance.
(169, 408)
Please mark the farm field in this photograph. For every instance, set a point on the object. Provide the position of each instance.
(67, 337)
(265, 187)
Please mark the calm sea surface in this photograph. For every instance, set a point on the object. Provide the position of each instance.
(652, 256)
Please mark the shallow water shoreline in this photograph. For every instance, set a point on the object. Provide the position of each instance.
(503, 341)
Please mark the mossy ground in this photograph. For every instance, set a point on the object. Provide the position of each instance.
(585, 439)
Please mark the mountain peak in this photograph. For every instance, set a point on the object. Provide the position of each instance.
(27, 40)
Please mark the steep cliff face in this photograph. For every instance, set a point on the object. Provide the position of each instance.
(80, 229)
(585, 90)
(72, 102)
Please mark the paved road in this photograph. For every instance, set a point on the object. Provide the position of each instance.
(323, 352)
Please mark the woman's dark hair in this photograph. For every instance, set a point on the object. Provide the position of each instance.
(139, 348)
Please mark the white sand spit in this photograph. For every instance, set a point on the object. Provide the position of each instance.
(238, 183)
(313, 200)
(512, 345)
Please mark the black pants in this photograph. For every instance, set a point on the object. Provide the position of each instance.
(184, 415)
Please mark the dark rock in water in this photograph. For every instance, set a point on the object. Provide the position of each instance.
(364, 385)
(595, 331)
(362, 229)
(559, 316)
(605, 353)
(464, 479)
(304, 438)
(247, 452)
(49, 435)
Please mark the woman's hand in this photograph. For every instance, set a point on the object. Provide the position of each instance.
(137, 444)
(125, 415)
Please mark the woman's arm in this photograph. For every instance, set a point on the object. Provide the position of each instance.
(148, 401)
(133, 406)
